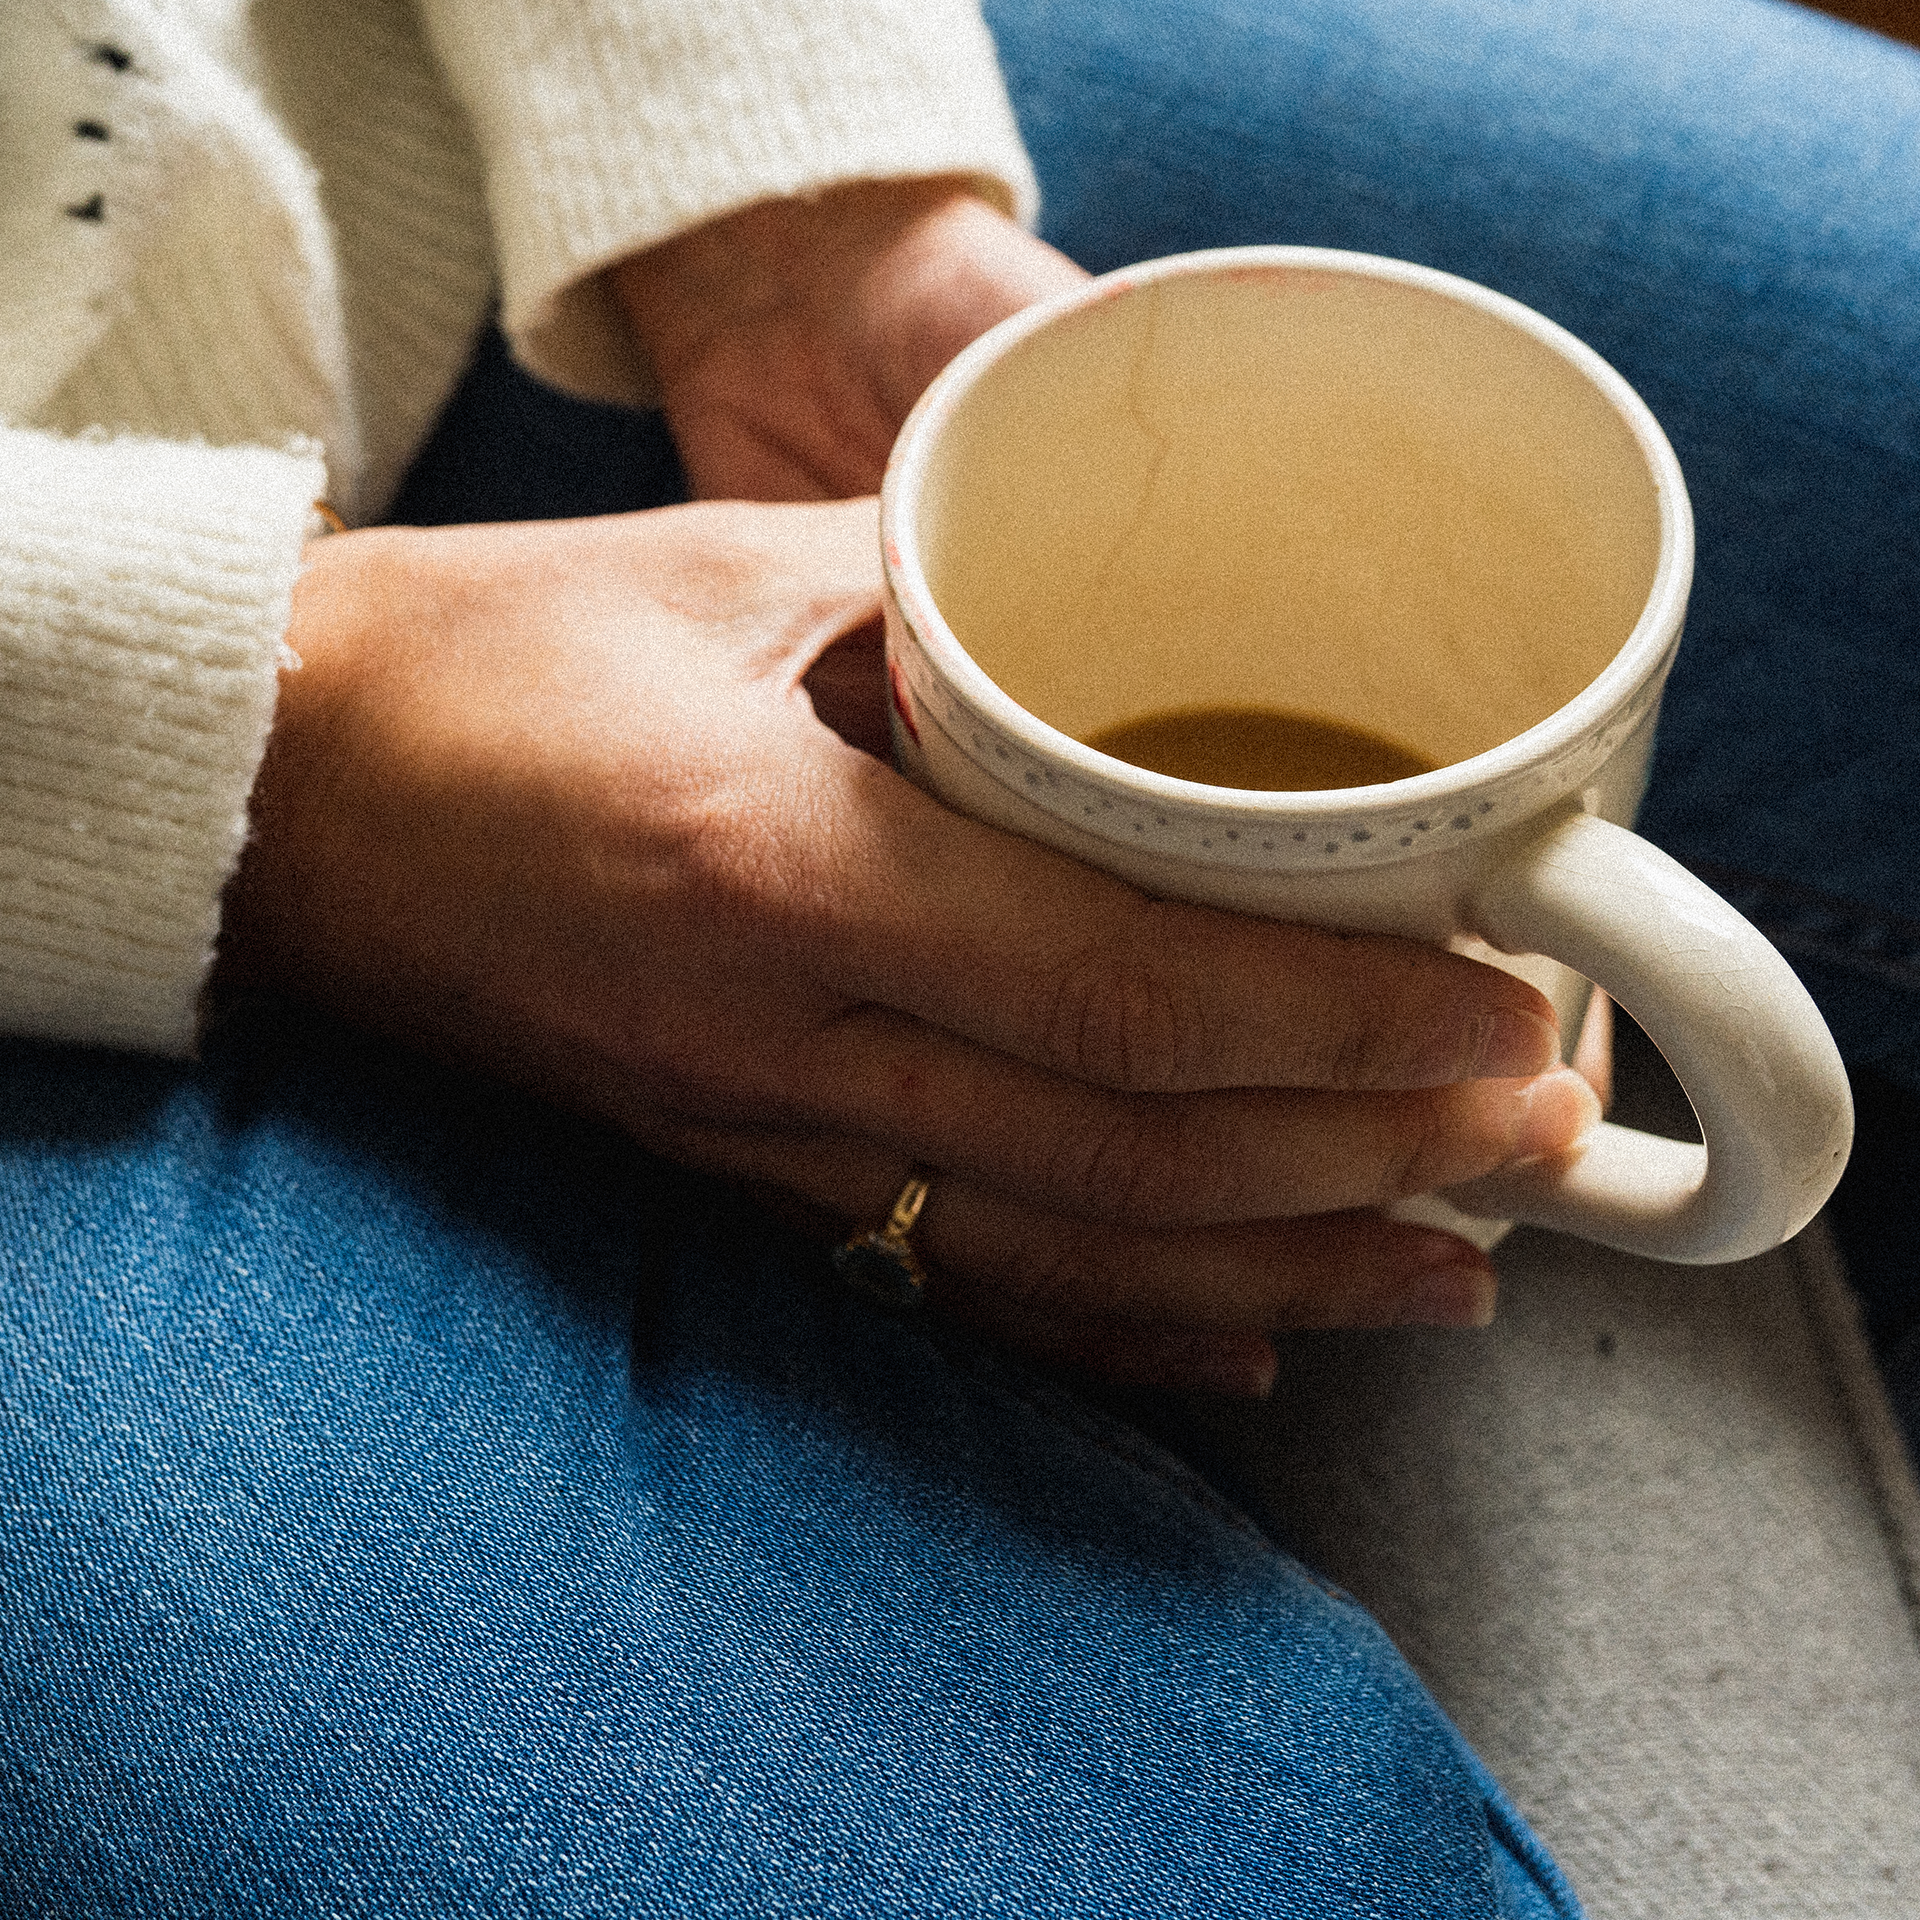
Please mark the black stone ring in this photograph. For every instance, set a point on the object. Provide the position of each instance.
(883, 1265)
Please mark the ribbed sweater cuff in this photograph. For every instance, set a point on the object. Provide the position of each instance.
(144, 595)
(607, 128)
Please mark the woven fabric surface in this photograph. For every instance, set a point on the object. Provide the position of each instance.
(1652, 1541)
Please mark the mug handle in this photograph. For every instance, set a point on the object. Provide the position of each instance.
(1739, 1030)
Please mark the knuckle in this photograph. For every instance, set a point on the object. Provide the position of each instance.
(1410, 1169)
(1349, 1058)
(1120, 1017)
(1366, 1051)
(1368, 1014)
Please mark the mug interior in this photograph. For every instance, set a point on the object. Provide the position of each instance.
(1321, 492)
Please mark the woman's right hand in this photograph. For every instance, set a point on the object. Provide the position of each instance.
(555, 799)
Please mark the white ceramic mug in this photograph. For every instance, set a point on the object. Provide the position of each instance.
(1363, 490)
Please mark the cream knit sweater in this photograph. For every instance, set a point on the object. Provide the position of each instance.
(244, 253)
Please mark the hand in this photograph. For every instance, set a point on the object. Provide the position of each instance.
(791, 339)
(554, 799)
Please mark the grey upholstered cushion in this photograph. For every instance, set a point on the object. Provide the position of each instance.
(1653, 1541)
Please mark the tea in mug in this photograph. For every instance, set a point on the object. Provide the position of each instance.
(1259, 748)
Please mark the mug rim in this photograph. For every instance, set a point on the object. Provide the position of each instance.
(1637, 660)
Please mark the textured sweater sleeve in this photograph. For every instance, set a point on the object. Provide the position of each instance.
(608, 125)
(144, 593)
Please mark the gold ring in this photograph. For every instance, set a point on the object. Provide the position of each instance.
(883, 1265)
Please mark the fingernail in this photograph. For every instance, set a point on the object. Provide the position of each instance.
(1454, 1296)
(1511, 1045)
(1554, 1112)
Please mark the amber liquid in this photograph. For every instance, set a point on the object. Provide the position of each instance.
(1260, 748)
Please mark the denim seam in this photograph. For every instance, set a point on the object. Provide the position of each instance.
(1523, 1848)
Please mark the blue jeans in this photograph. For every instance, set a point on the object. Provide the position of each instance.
(413, 1501)
(417, 1503)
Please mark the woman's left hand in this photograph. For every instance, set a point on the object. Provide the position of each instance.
(791, 339)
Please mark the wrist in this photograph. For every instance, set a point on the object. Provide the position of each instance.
(799, 259)
(296, 802)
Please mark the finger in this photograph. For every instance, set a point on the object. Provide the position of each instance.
(1240, 1365)
(1168, 1159)
(1005, 1264)
(1067, 968)
(1129, 1353)
(1002, 1262)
